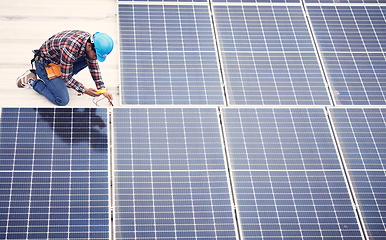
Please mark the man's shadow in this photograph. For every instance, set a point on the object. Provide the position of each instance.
(76, 125)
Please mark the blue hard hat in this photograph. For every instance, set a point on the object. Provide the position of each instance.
(103, 45)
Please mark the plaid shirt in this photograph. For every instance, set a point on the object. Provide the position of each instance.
(65, 48)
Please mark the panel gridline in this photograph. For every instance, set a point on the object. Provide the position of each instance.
(288, 180)
(362, 134)
(54, 178)
(168, 55)
(268, 56)
(351, 39)
(170, 177)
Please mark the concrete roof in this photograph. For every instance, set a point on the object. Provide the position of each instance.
(26, 24)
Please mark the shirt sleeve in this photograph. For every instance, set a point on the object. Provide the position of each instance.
(95, 73)
(66, 67)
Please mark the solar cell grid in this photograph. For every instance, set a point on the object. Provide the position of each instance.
(349, 28)
(357, 78)
(268, 56)
(370, 191)
(170, 178)
(362, 133)
(173, 205)
(53, 139)
(54, 174)
(168, 55)
(294, 205)
(287, 176)
(279, 139)
(167, 139)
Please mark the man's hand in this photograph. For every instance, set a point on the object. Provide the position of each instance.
(92, 92)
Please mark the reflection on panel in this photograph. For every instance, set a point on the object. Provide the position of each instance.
(54, 174)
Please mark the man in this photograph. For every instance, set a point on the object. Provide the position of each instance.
(62, 56)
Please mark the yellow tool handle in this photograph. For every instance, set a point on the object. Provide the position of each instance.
(102, 90)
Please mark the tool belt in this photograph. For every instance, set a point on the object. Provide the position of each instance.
(52, 69)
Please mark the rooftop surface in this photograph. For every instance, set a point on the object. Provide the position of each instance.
(25, 25)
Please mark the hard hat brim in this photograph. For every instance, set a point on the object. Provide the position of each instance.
(100, 58)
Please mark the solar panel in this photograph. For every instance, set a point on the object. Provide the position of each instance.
(54, 174)
(268, 56)
(170, 177)
(362, 134)
(168, 55)
(352, 44)
(287, 175)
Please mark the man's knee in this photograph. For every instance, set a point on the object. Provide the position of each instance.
(63, 101)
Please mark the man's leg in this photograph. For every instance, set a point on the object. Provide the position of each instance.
(54, 90)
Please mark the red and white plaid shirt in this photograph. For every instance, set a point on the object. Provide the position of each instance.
(65, 48)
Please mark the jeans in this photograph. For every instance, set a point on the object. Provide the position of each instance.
(55, 90)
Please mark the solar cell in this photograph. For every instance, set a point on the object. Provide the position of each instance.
(361, 133)
(170, 178)
(268, 56)
(288, 180)
(168, 55)
(54, 174)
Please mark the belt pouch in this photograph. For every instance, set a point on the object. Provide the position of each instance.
(53, 70)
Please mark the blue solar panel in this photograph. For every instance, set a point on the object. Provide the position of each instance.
(170, 178)
(268, 56)
(168, 55)
(288, 179)
(351, 39)
(54, 174)
(362, 137)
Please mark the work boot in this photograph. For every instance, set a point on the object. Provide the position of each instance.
(26, 80)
